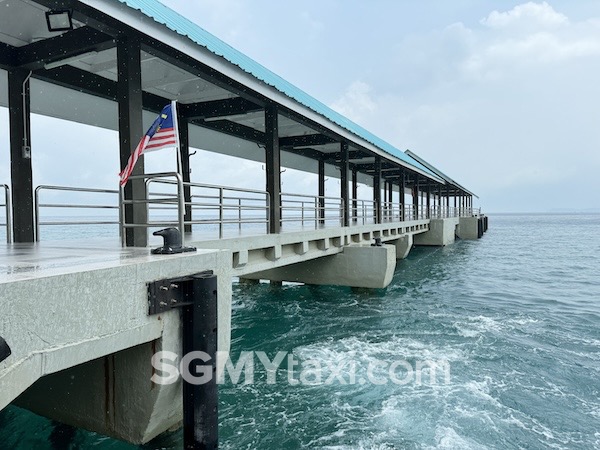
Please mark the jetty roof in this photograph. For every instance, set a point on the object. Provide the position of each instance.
(223, 92)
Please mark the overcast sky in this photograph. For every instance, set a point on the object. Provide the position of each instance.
(502, 96)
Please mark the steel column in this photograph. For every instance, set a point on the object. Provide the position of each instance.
(273, 167)
(20, 156)
(129, 97)
(354, 194)
(321, 200)
(415, 195)
(428, 200)
(344, 166)
(402, 196)
(377, 189)
(184, 145)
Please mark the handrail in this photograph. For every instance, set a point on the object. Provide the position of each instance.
(45, 187)
(313, 208)
(148, 178)
(221, 203)
(228, 205)
(7, 209)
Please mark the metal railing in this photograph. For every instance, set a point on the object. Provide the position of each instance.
(313, 209)
(167, 201)
(227, 207)
(38, 205)
(216, 205)
(7, 213)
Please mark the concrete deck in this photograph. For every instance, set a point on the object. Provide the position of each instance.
(82, 308)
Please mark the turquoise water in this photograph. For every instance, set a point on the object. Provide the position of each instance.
(515, 314)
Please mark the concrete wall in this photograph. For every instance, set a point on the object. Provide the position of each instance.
(56, 322)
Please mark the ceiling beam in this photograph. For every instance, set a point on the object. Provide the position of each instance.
(219, 108)
(305, 140)
(89, 83)
(233, 129)
(307, 152)
(75, 42)
(8, 56)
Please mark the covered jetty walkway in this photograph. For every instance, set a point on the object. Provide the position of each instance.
(79, 310)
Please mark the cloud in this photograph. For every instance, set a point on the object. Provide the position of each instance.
(357, 103)
(528, 16)
(506, 105)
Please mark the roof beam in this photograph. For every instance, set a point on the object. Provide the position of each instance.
(8, 56)
(233, 129)
(305, 140)
(219, 108)
(76, 42)
(89, 83)
(307, 152)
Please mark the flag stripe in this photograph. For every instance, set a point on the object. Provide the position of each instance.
(162, 134)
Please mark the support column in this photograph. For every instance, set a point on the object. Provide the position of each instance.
(377, 189)
(415, 195)
(321, 200)
(354, 194)
(391, 200)
(273, 168)
(184, 145)
(428, 200)
(129, 97)
(20, 156)
(402, 199)
(344, 166)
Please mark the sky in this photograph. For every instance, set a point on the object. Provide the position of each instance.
(502, 96)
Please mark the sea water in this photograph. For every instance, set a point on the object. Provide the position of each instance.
(514, 315)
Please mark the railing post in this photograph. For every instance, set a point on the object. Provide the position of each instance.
(220, 212)
(180, 207)
(239, 214)
(36, 213)
(8, 209)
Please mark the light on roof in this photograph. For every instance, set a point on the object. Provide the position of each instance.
(59, 20)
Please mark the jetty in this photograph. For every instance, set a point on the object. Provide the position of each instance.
(82, 318)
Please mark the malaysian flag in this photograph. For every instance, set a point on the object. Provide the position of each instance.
(162, 134)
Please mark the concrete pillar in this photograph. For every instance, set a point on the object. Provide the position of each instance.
(441, 232)
(403, 246)
(468, 228)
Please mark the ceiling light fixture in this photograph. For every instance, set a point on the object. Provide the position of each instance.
(59, 20)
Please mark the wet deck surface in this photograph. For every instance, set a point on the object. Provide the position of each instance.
(46, 258)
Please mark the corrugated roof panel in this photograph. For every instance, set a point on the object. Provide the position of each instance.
(179, 24)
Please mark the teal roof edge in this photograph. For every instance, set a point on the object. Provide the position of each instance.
(185, 27)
